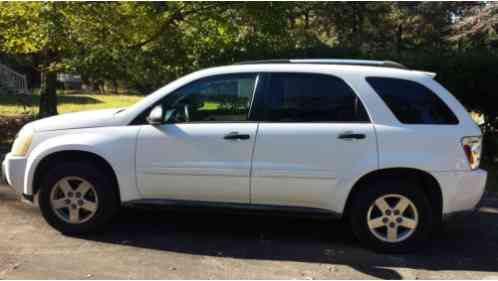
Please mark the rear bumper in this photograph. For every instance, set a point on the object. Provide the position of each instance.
(463, 215)
(462, 191)
(13, 168)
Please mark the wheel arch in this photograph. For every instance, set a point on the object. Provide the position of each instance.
(428, 183)
(51, 159)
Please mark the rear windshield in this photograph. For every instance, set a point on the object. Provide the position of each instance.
(412, 102)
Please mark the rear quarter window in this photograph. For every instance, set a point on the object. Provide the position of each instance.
(412, 102)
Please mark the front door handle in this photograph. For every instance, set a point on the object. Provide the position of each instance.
(351, 135)
(236, 136)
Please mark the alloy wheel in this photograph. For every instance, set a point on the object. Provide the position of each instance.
(74, 200)
(392, 218)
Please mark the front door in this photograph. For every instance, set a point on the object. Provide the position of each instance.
(203, 150)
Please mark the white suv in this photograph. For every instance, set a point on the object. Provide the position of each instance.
(386, 147)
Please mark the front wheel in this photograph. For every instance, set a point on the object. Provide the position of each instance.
(76, 198)
(391, 216)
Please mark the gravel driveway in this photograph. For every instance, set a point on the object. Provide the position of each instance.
(150, 244)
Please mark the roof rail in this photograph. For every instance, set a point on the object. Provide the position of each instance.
(378, 63)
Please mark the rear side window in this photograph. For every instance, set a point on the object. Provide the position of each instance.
(300, 97)
(412, 102)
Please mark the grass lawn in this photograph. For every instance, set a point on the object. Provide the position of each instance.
(10, 105)
(14, 113)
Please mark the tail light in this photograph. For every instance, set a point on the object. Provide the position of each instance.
(472, 147)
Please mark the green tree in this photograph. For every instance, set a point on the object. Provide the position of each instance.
(145, 45)
(102, 41)
(27, 28)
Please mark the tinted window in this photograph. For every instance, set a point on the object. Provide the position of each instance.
(411, 102)
(296, 97)
(216, 99)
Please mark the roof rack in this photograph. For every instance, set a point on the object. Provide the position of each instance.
(378, 63)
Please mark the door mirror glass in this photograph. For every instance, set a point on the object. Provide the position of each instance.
(156, 116)
(170, 116)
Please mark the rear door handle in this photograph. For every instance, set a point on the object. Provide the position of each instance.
(351, 135)
(236, 136)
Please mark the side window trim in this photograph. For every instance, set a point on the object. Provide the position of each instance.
(258, 109)
(251, 104)
(140, 119)
(266, 78)
(257, 102)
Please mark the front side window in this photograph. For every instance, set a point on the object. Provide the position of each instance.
(225, 98)
(412, 102)
(306, 97)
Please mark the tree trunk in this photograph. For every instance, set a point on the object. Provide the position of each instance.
(399, 40)
(354, 29)
(115, 86)
(306, 32)
(48, 94)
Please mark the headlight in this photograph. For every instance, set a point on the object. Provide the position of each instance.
(22, 142)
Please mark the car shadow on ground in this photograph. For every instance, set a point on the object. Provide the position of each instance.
(466, 243)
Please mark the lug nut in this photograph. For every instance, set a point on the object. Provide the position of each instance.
(69, 194)
(392, 225)
(396, 212)
(399, 220)
(74, 206)
(80, 202)
(385, 220)
(67, 201)
(388, 212)
(78, 195)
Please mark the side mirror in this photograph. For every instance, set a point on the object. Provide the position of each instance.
(156, 116)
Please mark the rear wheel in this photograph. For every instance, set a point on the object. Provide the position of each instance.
(77, 198)
(391, 216)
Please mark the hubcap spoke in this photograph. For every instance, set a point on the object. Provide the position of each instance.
(382, 204)
(59, 203)
(408, 223)
(65, 186)
(89, 206)
(376, 223)
(392, 233)
(402, 204)
(74, 215)
(83, 188)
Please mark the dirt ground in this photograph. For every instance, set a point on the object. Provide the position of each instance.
(158, 244)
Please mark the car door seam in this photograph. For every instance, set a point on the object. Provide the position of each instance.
(377, 154)
(251, 163)
(137, 136)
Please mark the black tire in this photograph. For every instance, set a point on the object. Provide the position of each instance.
(369, 193)
(108, 200)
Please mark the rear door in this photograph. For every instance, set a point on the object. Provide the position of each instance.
(314, 135)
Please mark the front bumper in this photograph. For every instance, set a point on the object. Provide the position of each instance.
(13, 168)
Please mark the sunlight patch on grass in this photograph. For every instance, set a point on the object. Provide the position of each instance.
(210, 106)
(15, 105)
